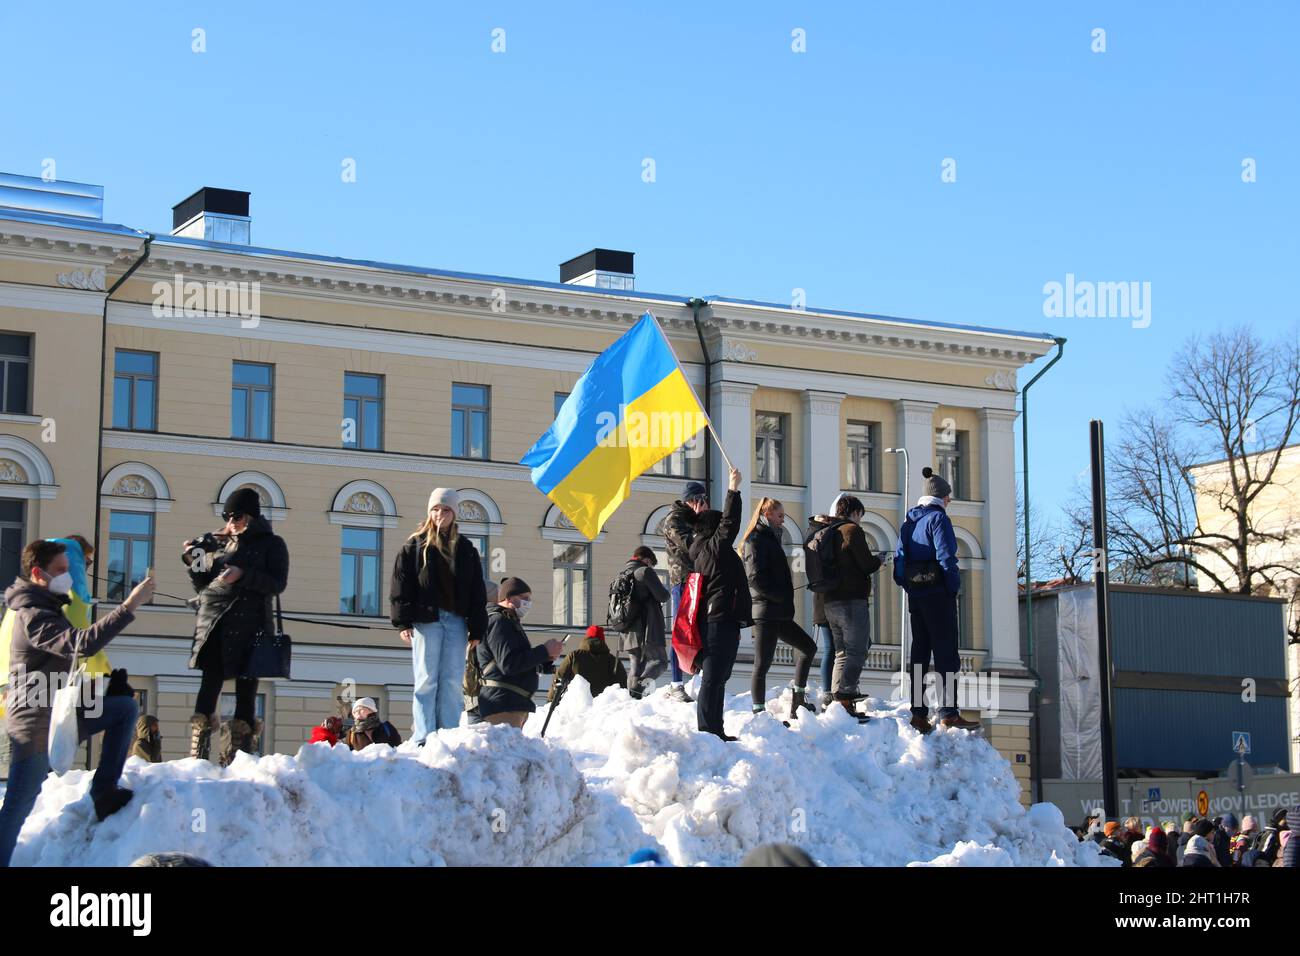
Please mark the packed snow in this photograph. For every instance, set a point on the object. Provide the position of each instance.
(612, 775)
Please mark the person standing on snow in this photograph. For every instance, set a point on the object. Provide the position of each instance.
(679, 529)
(925, 566)
(645, 640)
(507, 659)
(438, 604)
(43, 646)
(726, 604)
(771, 590)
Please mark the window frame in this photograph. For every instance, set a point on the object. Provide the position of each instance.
(782, 437)
(132, 378)
(6, 360)
(359, 420)
(20, 526)
(872, 446)
(131, 538)
(357, 570)
(950, 455)
(249, 391)
(466, 431)
(569, 567)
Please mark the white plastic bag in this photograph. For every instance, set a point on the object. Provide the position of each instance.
(64, 738)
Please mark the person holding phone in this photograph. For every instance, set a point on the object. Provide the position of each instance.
(508, 661)
(236, 587)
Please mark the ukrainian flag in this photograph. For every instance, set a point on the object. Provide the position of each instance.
(631, 408)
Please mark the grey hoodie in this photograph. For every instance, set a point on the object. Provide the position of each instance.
(43, 643)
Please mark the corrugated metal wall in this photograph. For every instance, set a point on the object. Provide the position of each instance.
(1173, 729)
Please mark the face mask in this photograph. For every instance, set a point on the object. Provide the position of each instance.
(61, 583)
(524, 605)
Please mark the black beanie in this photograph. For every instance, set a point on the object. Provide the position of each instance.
(244, 501)
(511, 587)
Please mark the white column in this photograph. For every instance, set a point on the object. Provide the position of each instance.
(916, 434)
(733, 411)
(1001, 599)
(823, 449)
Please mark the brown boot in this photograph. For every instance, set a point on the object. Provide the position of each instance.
(201, 727)
(961, 723)
(849, 704)
(921, 723)
(237, 735)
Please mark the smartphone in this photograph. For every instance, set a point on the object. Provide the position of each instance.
(567, 638)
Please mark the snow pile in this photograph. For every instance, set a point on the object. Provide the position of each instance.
(612, 775)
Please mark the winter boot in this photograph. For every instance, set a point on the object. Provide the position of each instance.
(921, 723)
(826, 699)
(110, 803)
(201, 727)
(958, 722)
(798, 700)
(850, 705)
(237, 735)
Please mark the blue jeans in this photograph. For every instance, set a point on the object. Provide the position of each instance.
(672, 653)
(826, 646)
(31, 765)
(438, 652)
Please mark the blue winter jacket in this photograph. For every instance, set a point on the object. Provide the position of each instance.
(927, 535)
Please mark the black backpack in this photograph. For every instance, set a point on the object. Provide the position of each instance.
(623, 611)
(822, 557)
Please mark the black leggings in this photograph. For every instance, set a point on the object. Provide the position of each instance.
(210, 695)
(766, 634)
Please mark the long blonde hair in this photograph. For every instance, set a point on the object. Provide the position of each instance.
(764, 505)
(429, 537)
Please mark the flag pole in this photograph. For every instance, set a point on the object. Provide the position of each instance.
(708, 420)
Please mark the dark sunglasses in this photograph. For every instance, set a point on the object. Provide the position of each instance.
(231, 515)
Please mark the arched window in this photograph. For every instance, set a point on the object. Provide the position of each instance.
(570, 570)
(479, 519)
(362, 509)
(133, 493)
(274, 506)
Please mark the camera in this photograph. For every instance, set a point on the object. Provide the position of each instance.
(208, 542)
(198, 556)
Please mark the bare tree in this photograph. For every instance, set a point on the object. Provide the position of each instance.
(1233, 403)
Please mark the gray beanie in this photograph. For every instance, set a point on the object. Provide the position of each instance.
(934, 485)
(444, 496)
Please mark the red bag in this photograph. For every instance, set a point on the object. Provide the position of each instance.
(687, 642)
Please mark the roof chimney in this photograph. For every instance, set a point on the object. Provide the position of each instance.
(53, 197)
(601, 268)
(218, 215)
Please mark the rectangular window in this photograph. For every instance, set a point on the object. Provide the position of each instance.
(951, 460)
(480, 542)
(560, 398)
(965, 619)
(13, 514)
(769, 441)
(363, 411)
(252, 387)
(135, 390)
(359, 582)
(15, 373)
(675, 465)
(130, 551)
(571, 584)
(863, 463)
(469, 420)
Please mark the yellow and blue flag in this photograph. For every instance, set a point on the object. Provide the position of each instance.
(631, 408)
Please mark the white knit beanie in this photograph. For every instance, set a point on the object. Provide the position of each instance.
(444, 496)
(364, 702)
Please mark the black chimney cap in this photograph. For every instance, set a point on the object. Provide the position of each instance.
(229, 202)
(606, 260)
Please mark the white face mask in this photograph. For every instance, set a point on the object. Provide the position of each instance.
(60, 583)
(524, 605)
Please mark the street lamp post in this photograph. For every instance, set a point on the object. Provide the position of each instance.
(902, 601)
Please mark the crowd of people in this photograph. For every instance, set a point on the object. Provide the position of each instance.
(1221, 841)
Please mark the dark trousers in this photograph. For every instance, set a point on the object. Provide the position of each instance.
(210, 694)
(721, 641)
(934, 633)
(766, 634)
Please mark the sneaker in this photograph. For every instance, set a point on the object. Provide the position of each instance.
(679, 694)
(826, 699)
(110, 803)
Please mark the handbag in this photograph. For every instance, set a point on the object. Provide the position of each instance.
(687, 642)
(271, 653)
(64, 738)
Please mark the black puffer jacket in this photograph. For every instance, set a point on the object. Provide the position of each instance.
(771, 586)
(230, 616)
(679, 528)
(649, 596)
(505, 654)
(726, 589)
(413, 590)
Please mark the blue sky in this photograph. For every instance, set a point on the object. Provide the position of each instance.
(774, 170)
